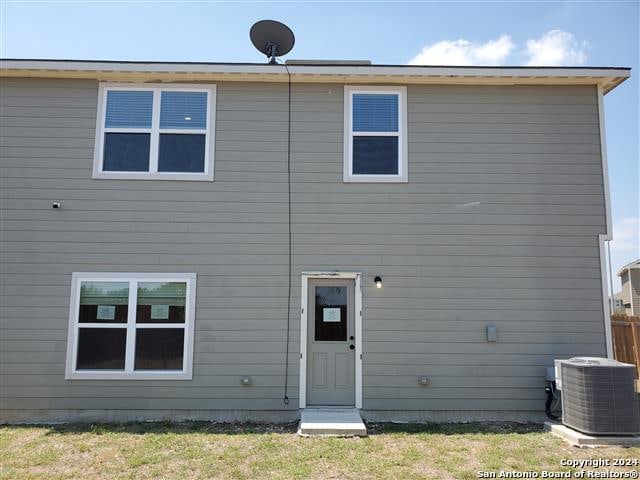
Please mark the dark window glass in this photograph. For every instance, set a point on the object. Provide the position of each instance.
(331, 314)
(181, 152)
(101, 348)
(160, 314)
(161, 302)
(95, 314)
(104, 302)
(159, 348)
(126, 152)
(375, 155)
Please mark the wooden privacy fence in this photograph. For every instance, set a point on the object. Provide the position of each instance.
(626, 339)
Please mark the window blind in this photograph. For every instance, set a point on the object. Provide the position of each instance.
(375, 112)
(158, 293)
(112, 293)
(185, 110)
(129, 109)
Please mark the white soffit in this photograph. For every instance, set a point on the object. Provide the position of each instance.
(607, 78)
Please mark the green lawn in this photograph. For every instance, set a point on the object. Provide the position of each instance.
(206, 450)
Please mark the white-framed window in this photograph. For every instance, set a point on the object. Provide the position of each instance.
(155, 132)
(131, 326)
(375, 134)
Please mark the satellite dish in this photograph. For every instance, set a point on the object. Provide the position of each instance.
(272, 38)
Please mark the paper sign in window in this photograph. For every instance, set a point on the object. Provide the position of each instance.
(331, 315)
(160, 312)
(106, 312)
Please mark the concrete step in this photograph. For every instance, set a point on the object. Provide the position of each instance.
(336, 422)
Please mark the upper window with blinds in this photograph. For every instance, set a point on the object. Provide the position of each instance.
(152, 132)
(375, 128)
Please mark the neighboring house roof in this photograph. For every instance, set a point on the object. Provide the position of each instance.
(632, 265)
(338, 72)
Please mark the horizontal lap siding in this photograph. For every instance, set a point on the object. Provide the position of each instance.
(231, 232)
(524, 259)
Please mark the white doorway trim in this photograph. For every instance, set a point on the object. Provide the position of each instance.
(303, 330)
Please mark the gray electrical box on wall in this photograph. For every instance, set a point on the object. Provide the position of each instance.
(492, 333)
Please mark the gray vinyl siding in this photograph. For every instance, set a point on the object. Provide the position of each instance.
(525, 259)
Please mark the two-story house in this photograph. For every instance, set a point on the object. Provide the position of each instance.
(630, 293)
(241, 241)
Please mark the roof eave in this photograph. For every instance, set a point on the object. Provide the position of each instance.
(629, 266)
(607, 78)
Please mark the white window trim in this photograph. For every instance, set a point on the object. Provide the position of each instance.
(129, 373)
(403, 173)
(155, 131)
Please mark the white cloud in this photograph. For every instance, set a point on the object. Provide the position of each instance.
(555, 48)
(464, 52)
(625, 246)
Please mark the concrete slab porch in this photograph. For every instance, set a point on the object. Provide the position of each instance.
(580, 439)
(328, 421)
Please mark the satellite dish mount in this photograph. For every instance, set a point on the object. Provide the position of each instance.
(272, 38)
(272, 51)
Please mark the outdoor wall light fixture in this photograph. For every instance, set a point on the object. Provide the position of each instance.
(378, 281)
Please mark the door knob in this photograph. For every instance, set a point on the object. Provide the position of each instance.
(352, 347)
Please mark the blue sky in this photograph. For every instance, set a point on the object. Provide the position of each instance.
(502, 33)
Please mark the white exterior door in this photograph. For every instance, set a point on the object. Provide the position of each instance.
(331, 342)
